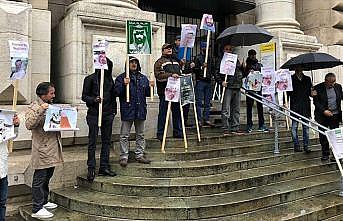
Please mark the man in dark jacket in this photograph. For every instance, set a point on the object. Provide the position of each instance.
(252, 65)
(328, 110)
(203, 89)
(133, 112)
(232, 97)
(301, 104)
(91, 95)
(166, 66)
(176, 47)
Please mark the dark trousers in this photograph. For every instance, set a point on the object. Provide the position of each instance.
(250, 103)
(162, 114)
(332, 123)
(40, 187)
(203, 97)
(106, 136)
(3, 197)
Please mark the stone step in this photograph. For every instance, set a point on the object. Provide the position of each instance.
(215, 139)
(206, 185)
(199, 207)
(324, 207)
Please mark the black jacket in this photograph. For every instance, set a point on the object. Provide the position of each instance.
(251, 65)
(91, 89)
(300, 96)
(321, 101)
(199, 70)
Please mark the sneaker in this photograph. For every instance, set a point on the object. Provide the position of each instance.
(143, 160)
(42, 214)
(123, 162)
(263, 129)
(249, 130)
(50, 206)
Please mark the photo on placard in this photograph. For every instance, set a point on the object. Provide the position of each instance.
(228, 64)
(19, 53)
(283, 80)
(188, 34)
(207, 23)
(172, 91)
(99, 55)
(6, 125)
(139, 36)
(253, 82)
(60, 118)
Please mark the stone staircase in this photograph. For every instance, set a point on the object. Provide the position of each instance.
(222, 178)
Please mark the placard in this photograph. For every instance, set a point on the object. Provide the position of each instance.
(99, 55)
(172, 91)
(19, 54)
(207, 23)
(60, 118)
(186, 90)
(188, 34)
(253, 82)
(6, 125)
(139, 37)
(283, 80)
(335, 138)
(228, 64)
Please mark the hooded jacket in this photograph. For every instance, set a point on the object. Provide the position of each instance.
(91, 89)
(136, 109)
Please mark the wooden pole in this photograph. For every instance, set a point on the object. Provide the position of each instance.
(183, 128)
(207, 47)
(214, 91)
(224, 88)
(14, 107)
(102, 74)
(166, 128)
(270, 121)
(127, 76)
(151, 78)
(197, 122)
(286, 102)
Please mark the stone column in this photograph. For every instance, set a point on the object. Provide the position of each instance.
(133, 4)
(277, 16)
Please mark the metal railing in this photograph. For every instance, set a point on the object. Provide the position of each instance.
(279, 109)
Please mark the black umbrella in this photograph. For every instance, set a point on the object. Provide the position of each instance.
(312, 61)
(244, 35)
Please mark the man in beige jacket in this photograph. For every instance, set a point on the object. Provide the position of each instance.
(46, 150)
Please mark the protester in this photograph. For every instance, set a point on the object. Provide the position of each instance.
(301, 104)
(46, 150)
(232, 97)
(91, 95)
(327, 110)
(4, 171)
(133, 112)
(166, 66)
(203, 87)
(175, 47)
(252, 65)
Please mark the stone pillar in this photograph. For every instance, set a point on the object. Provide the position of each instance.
(277, 16)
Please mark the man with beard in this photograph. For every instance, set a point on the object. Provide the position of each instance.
(133, 112)
(140, 44)
(252, 65)
(90, 95)
(166, 66)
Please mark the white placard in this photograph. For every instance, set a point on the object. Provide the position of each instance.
(228, 64)
(60, 118)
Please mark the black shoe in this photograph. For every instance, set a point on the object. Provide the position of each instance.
(307, 150)
(324, 158)
(106, 172)
(297, 149)
(91, 175)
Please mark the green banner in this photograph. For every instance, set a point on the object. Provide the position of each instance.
(138, 37)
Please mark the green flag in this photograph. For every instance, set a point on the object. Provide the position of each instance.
(138, 34)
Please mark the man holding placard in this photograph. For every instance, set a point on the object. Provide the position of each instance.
(229, 75)
(166, 66)
(46, 150)
(91, 95)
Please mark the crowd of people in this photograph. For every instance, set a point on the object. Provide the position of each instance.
(47, 146)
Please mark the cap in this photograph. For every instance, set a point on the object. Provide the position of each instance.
(178, 37)
(166, 45)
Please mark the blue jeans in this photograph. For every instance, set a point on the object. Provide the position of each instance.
(295, 135)
(162, 114)
(203, 97)
(3, 197)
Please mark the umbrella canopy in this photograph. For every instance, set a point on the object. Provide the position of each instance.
(244, 35)
(312, 61)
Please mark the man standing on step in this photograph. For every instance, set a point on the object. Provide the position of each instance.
(232, 97)
(91, 95)
(133, 112)
(252, 65)
(203, 87)
(46, 150)
(301, 104)
(166, 66)
(328, 110)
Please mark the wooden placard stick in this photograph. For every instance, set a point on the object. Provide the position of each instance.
(224, 88)
(286, 102)
(183, 128)
(127, 76)
(14, 107)
(102, 75)
(166, 128)
(207, 47)
(151, 77)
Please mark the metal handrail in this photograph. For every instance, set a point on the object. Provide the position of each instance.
(286, 112)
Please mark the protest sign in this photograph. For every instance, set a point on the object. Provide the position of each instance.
(19, 53)
(207, 23)
(99, 55)
(268, 80)
(283, 80)
(6, 125)
(188, 34)
(335, 138)
(186, 90)
(228, 64)
(253, 82)
(60, 118)
(139, 35)
(172, 91)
